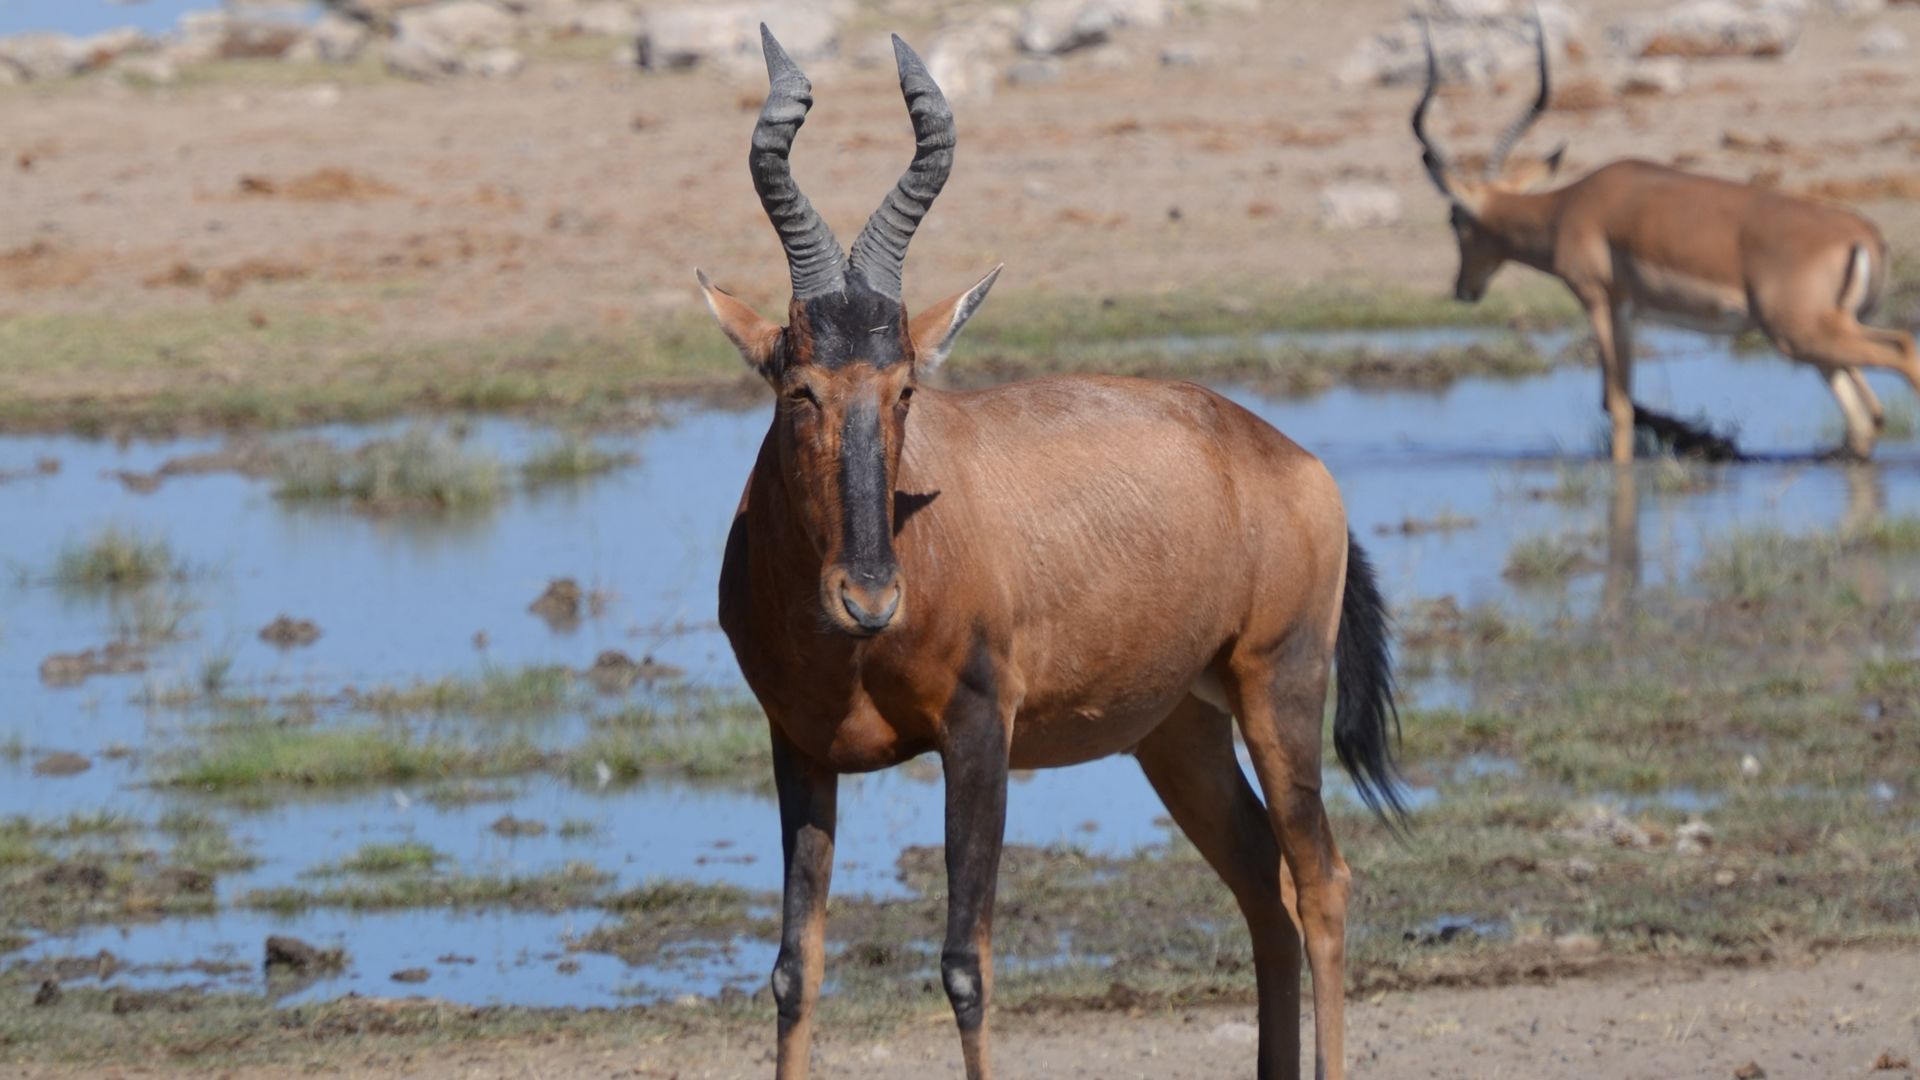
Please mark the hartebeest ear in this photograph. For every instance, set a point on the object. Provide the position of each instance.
(935, 329)
(756, 338)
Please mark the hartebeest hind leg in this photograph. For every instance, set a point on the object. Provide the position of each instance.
(973, 756)
(1280, 698)
(1190, 762)
(808, 808)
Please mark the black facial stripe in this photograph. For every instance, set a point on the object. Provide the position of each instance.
(867, 547)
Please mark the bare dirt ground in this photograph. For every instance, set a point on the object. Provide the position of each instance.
(583, 195)
(1849, 1014)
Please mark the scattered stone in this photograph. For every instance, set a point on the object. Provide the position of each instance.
(1359, 206)
(411, 975)
(290, 954)
(1749, 766)
(1235, 1032)
(1856, 9)
(39, 56)
(510, 826)
(333, 39)
(682, 37)
(1724, 878)
(1710, 28)
(48, 994)
(1693, 838)
(1480, 49)
(965, 60)
(1577, 944)
(501, 63)
(1886, 1062)
(1053, 27)
(1579, 869)
(1034, 71)
(1883, 41)
(1185, 54)
(1663, 75)
(72, 669)
(1603, 824)
(457, 24)
(422, 58)
(153, 70)
(1750, 1071)
(559, 605)
(62, 764)
(287, 632)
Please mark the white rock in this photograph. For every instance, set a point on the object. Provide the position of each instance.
(965, 60)
(1856, 9)
(1051, 27)
(1358, 206)
(608, 19)
(1185, 54)
(681, 37)
(109, 45)
(1884, 41)
(1033, 71)
(1700, 28)
(1470, 50)
(1693, 838)
(500, 63)
(458, 24)
(39, 56)
(417, 57)
(1236, 1032)
(333, 39)
(1749, 766)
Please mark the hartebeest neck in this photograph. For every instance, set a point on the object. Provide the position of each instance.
(1526, 222)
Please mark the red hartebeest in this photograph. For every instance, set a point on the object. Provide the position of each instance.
(1029, 576)
(1635, 238)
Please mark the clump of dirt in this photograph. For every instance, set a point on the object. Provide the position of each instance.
(330, 184)
(287, 632)
(293, 956)
(508, 825)
(41, 265)
(411, 975)
(614, 672)
(224, 281)
(48, 994)
(62, 764)
(559, 606)
(72, 669)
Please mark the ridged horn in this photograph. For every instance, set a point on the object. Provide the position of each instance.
(814, 258)
(880, 252)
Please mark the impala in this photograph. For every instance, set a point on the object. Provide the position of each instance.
(1633, 238)
(1034, 575)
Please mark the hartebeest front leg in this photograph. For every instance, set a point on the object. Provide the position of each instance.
(809, 796)
(974, 757)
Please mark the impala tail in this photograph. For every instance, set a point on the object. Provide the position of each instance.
(1366, 722)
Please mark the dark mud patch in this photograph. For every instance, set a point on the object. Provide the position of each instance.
(290, 955)
(614, 672)
(287, 632)
(62, 764)
(559, 606)
(114, 658)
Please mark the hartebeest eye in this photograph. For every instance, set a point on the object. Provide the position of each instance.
(906, 395)
(804, 395)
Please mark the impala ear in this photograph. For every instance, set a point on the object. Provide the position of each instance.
(935, 329)
(1553, 160)
(757, 339)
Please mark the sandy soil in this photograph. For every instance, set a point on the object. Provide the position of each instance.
(581, 195)
(1851, 1014)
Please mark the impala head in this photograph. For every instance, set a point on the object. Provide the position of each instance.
(845, 365)
(1483, 250)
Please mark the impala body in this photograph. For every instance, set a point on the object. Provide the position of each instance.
(1034, 575)
(1633, 239)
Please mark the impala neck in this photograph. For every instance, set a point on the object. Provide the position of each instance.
(1527, 223)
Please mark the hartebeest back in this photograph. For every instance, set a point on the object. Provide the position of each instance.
(1633, 238)
(1034, 575)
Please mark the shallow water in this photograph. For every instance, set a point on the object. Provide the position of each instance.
(400, 599)
(92, 16)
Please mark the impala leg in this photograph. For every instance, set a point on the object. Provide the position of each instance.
(1189, 760)
(808, 798)
(1874, 408)
(1861, 429)
(1612, 332)
(1280, 709)
(973, 756)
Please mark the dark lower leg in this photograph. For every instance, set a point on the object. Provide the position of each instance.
(974, 759)
(808, 798)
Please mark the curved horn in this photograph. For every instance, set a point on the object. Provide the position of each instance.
(1430, 154)
(1510, 137)
(880, 252)
(813, 255)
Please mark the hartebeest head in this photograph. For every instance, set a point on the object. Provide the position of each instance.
(1484, 248)
(845, 364)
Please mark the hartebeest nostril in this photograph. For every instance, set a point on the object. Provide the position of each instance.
(872, 619)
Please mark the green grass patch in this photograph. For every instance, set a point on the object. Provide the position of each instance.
(701, 736)
(534, 690)
(266, 753)
(568, 458)
(574, 885)
(114, 557)
(423, 469)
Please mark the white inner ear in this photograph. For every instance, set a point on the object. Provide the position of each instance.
(962, 311)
